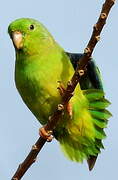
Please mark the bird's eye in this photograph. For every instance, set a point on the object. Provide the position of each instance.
(31, 27)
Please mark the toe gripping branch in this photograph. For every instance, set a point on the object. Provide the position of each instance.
(46, 134)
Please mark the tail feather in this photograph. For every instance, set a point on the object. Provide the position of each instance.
(91, 162)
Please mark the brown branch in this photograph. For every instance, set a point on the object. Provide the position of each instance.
(54, 119)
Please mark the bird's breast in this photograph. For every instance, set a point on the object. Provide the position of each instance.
(38, 92)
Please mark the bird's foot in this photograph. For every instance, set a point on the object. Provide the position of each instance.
(46, 134)
(61, 88)
(69, 109)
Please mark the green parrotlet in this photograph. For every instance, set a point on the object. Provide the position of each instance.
(41, 67)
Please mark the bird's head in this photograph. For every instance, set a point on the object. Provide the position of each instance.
(28, 35)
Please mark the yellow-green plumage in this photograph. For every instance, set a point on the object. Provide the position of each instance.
(40, 64)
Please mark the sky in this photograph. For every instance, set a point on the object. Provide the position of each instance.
(70, 22)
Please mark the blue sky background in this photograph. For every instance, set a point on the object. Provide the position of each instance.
(70, 22)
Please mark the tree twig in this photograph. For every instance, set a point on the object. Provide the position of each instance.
(54, 119)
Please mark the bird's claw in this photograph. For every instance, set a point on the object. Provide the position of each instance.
(69, 109)
(46, 134)
(61, 88)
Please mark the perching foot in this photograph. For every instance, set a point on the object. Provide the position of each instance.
(45, 134)
(69, 109)
(61, 88)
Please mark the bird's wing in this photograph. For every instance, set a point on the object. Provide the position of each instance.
(92, 77)
(91, 80)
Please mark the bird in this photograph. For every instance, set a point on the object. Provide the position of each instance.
(42, 70)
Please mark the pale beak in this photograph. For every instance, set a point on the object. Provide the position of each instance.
(17, 39)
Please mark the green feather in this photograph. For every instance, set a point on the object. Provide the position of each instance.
(100, 134)
(100, 122)
(100, 114)
(93, 94)
(99, 144)
(99, 104)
